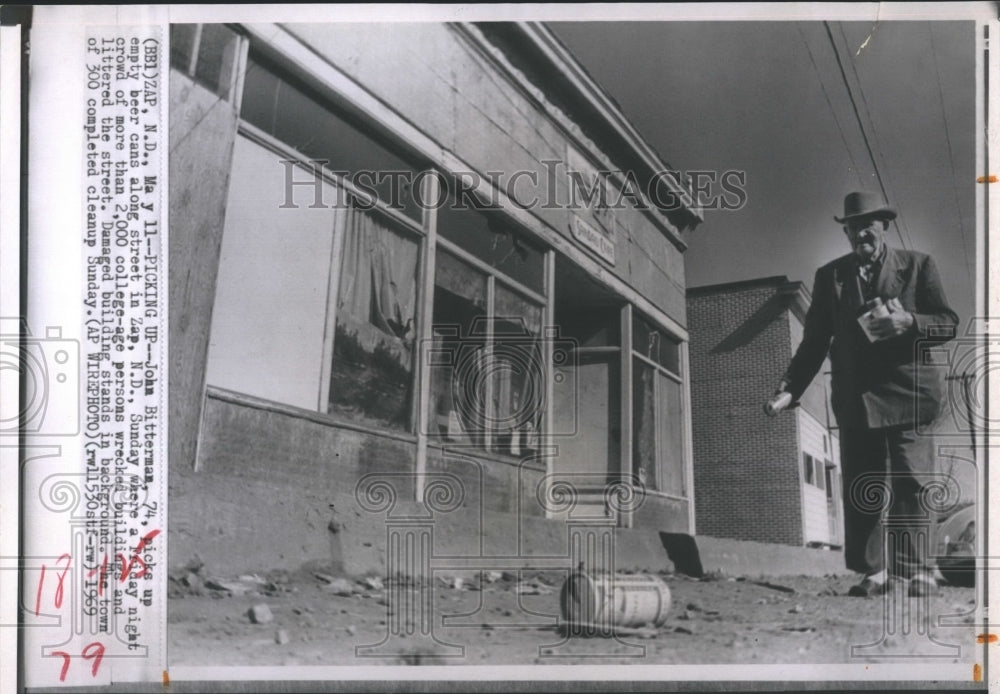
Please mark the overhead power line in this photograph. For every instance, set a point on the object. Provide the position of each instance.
(861, 125)
(951, 158)
(833, 112)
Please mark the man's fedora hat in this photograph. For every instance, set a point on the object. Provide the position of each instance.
(864, 204)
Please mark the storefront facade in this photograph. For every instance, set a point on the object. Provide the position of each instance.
(451, 258)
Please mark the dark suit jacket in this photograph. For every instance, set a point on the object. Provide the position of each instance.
(876, 384)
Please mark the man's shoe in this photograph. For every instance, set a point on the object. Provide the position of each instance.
(868, 589)
(922, 585)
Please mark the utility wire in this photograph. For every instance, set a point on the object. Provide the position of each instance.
(861, 125)
(951, 158)
(843, 138)
(900, 221)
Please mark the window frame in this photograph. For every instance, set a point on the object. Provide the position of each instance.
(493, 276)
(234, 91)
(629, 316)
(396, 220)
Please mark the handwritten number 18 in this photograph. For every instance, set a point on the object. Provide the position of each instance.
(59, 585)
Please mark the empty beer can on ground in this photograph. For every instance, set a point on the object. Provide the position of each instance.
(607, 600)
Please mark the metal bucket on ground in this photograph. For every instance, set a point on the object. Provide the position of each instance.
(604, 601)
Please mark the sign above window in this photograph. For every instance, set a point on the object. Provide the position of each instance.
(594, 239)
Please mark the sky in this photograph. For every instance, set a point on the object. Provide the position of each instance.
(768, 98)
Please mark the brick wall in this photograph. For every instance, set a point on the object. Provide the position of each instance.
(747, 479)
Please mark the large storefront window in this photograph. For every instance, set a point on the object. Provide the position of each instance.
(271, 296)
(277, 310)
(487, 368)
(372, 373)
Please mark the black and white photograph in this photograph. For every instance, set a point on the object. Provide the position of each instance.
(633, 345)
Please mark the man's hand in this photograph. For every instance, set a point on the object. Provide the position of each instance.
(897, 322)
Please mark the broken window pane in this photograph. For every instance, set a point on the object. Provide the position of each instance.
(372, 375)
(493, 240)
(671, 439)
(457, 356)
(644, 424)
(654, 344)
(658, 430)
(518, 374)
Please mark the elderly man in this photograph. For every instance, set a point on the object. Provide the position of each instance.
(872, 310)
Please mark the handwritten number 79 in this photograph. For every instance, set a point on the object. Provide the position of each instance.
(92, 651)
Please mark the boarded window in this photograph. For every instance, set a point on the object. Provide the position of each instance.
(268, 321)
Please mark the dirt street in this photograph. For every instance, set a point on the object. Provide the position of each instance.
(313, 618)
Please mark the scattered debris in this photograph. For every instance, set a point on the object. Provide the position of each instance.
(774, 586)
(253, 579)
(341, 587)
(492, 576)
(232, 587)
(260, 614)
(683, 629)
(325, 578)
(351, 629)
(374, 583)
(694, 607)
(531, 589)
(193, 583)
(281, 637)
(608, 630)
(797, 609)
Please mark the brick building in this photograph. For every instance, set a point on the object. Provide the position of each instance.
(328, 324)
(759, 478)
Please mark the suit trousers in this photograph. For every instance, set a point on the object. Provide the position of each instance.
(889, 516)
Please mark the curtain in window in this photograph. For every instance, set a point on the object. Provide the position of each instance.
(377, 283)
(372, 375)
